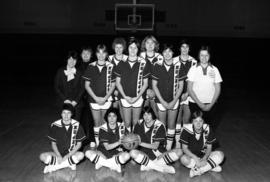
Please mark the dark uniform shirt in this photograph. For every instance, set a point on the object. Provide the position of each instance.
(167, 79)
(65, 139)
(99, 79)
(107, 135)
(197, 146)
(129, 75)
(156, 133)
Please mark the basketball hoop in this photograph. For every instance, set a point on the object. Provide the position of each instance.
(133, 28)
(134, 17)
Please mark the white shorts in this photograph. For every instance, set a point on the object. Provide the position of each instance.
(96, 106)
(162, 108)
(137, 104)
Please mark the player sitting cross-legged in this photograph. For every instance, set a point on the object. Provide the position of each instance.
(197, 139)
(151, 153)
(109, 152)
(66, 136)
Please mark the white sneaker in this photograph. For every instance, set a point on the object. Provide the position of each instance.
(97, 166)
(116, 167)
(217, 169)
(195, 172)
(48, 169)
(73, 167)
(168, 169)
(145, 168)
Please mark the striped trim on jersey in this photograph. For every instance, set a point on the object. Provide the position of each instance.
(140, 74)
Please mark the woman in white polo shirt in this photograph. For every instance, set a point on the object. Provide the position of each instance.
(204, 85)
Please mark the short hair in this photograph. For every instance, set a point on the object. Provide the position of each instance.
(184, 41)
(135, 41)
(143, 48)
(101, 47)
(119, 40)
(204, 48)
(87, 48)
(72, 54)
(149, 110)
(115, 111)
(196, 114)
(167, 46)
(68, 107)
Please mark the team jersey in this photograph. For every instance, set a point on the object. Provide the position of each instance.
(100, 77)
(185, 66)
(204, 80)
(132, 75)
(66, 137)
(107, 135)
(115, 61)
(168, 78)
(197, 146)
(155, 133)
(152, 60)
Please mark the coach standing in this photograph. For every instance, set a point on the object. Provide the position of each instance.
(204, 86)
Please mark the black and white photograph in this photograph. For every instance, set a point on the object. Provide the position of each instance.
(134, 91)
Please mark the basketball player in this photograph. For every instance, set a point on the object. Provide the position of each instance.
(151, 153)
(204, 86)
(86, 116)
(168, 84)
(66, 136)
(119, 46)
(197, 139)
(132, 81)
(109, 152)
(184, 113)
(149, 51)
(99, 84)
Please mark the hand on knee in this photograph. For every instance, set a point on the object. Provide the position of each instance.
(89, 153)
(133, 153)
(185, 160)
(79, 156)
(125, 156)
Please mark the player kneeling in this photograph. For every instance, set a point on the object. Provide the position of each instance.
(197, 140)
(109, 152)
(152, 153)
(66, 136)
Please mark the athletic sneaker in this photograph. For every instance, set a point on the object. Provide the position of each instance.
(97, 166)
(195, 172)
(48, 169)
(168, 169)
(73, 167)
(145, 168)
(217, 169)
(116, 167)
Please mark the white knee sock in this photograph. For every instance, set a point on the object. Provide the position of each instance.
(96, 134)
(213, 161)
(170, 137)
(100, 161)
(66, 163)
(177, 135)
(168, 158)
